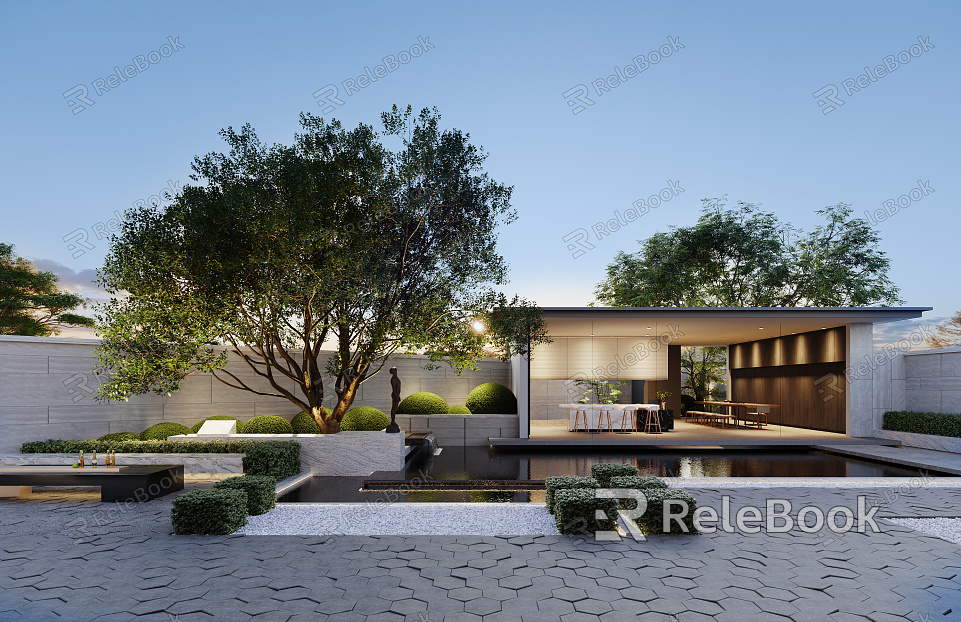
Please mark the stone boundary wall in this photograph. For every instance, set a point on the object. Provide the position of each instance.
(925, 380)
(47, 386)
(462, 430)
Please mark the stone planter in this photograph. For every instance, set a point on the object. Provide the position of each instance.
(923, 441)
(462, 430)
(343, 454)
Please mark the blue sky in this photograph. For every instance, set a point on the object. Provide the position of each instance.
(728, 109)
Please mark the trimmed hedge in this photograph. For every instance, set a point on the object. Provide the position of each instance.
(261, 496)
(652, 522)
(304, 423)
(459, 410)
(279, 459)
(240, 424)
(575, 511)
(936, 424)
(115, 437)
(604, 471)
(422, 403)
(209, 512)
(364, 419)
(161, 431)
(268, 424)
(561, 482)
(492, 398)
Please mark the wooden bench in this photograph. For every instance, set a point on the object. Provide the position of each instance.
(124, 483)
(713, 419)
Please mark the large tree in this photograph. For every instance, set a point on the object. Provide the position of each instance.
(744, 257)
(947, 333)
(706, 369)
(30, 303)
(278, 250)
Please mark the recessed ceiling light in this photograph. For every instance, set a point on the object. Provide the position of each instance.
(760, 328)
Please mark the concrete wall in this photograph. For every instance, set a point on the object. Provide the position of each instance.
(46, 390)
(462, 430)
(924, 380)
(547, 394)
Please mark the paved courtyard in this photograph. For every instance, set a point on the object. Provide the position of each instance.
(65, 556)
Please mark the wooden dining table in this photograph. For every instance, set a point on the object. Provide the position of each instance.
(732, 412)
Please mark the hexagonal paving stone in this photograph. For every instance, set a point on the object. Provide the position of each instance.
(408, 606)
(592, 606)
(570, 594)
(482, 606)
(465, 593)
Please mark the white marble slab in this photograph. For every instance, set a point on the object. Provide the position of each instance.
(341, 454)
(193, 463)
(217, 426)
(924, 441)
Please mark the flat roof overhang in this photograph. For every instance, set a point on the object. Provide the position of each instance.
(700, 326)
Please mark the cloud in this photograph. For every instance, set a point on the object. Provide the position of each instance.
(905, 335)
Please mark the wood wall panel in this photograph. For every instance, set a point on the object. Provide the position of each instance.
(821, 346)
(796, 389)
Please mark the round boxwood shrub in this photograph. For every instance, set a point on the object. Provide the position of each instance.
(161, 431)
(240, 424)
(423, 403)
(459, 410)
(492, 398)
(120, 436)
(304, 423)
(268, 424)
(364, 419)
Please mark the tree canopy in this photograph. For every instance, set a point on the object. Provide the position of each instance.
(744, 257)
(947, 333)
(30, 303)
(276, 250)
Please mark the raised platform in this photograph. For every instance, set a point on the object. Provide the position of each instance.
(685, 434)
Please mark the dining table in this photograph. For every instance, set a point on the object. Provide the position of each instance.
(731, 409)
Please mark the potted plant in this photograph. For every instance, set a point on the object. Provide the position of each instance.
(662, 397)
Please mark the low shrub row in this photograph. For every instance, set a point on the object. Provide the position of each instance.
(490, 398)
(578, 510)
(224, 508)
(604, 471)
(277, 459)
(937, 424)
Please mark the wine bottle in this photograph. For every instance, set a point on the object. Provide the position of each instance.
(80, 461)
(93, 461)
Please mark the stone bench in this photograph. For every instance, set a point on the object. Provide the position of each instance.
(123, 483)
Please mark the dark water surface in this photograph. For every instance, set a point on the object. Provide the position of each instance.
(482, 463)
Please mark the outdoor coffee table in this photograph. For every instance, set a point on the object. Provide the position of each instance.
(123, 483)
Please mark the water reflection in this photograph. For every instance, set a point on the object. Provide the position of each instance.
(482, 463)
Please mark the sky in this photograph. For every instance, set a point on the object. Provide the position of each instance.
(584, 108)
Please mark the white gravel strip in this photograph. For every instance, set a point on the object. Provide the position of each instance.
(945, 528)
(814, 482)
(407, 519)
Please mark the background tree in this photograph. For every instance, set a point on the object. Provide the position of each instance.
(333, 240)
(30, 303)
(947, 333)
(743, 257)
(706, 369)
